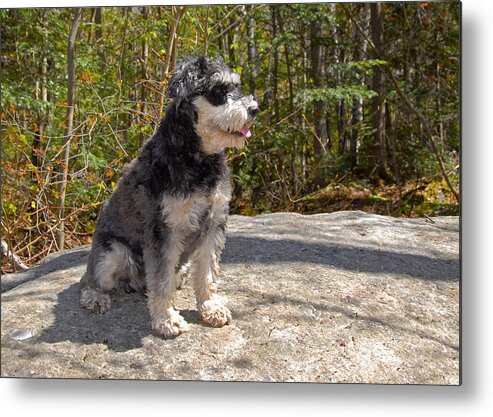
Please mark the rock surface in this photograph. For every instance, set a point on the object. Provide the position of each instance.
(342, 297)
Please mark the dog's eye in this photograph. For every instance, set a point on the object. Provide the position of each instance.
(225, 89)
(218, 95)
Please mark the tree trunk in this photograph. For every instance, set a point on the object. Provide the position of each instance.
(276, 64)
(390, 128)
(36, 158)
(99, 24)
(229, 42)
(378, 102)
(62, 184)
(170, 59)
(143, 78)
(337, 56)
(359, 54)
(252, 52)
(237, 162)
(318, 76)
(441, 130)
(294, 148)
(206, 31)
(98, 20)
(304, 82)
(42, 95)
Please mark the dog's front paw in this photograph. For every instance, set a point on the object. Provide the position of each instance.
(214, 312)
(171, 327)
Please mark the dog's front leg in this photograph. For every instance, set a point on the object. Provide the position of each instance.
(205, 267)
(160, 278)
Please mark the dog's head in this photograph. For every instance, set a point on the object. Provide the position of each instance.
(224, 113)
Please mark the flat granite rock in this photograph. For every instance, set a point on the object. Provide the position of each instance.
(343, 297)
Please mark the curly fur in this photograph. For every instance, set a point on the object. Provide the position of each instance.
(170, 207)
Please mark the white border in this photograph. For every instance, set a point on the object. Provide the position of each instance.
(86, 398)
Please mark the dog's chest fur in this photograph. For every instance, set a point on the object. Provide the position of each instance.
(190, 213)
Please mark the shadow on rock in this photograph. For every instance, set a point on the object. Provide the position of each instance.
(122, 328)
(61, 261)
(242, 249)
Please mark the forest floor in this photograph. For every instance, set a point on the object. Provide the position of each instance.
(421, 198)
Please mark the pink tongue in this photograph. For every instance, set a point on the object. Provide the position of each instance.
(246, 132)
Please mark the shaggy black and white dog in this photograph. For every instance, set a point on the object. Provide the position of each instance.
(171, 205)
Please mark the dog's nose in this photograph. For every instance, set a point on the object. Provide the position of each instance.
(253, 110)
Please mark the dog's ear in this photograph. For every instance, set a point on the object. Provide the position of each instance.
(187, 78)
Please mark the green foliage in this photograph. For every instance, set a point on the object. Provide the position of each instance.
(121, 80)
(336, 94)
(362, 68)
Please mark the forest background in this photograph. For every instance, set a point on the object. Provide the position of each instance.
(360, 108)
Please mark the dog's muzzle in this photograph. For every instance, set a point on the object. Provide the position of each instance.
(253, 110)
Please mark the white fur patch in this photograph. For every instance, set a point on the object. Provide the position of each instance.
(114, 264)
(227, 77)
(214, 312)
(216, 122)
(184, 214)
(169, 323)
(171, 327)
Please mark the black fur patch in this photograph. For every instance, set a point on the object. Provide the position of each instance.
(176, 166)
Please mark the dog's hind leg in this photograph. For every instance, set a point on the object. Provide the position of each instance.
(105, 268)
